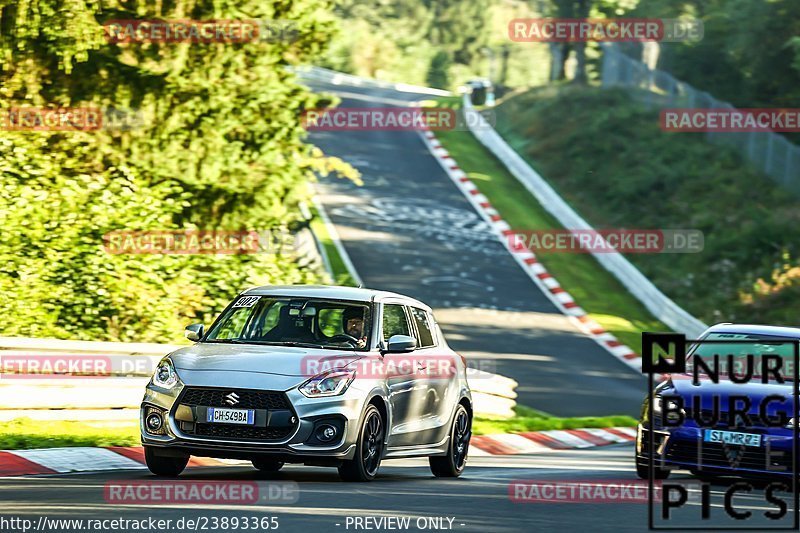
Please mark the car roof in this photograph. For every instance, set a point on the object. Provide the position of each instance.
(330, 292)
(756, 329)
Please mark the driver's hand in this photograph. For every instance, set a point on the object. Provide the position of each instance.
(362, 342)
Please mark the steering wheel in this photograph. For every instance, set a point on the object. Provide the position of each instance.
(345, 337)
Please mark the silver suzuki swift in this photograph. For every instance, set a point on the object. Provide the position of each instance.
(331, 376)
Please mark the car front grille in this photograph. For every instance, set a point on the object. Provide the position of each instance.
(248, 399)
(721, 419)
(713, 455)
(234, 432)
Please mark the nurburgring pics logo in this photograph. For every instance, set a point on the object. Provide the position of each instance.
(567, 30)
(706, 417)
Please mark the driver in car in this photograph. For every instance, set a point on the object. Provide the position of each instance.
(353, 325)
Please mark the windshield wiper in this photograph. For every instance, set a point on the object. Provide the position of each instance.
(280, 343)
(301, 344)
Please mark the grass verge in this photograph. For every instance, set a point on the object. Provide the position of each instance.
(24, 433)
(527, 419)
(593, 287)
(340, 273)
(606, 154)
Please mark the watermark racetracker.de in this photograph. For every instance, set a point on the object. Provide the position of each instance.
(581, 491)
(566, 30)
(203, 492)
(133, 31)
(66, 119)
(629, 241)
(395, 119)
(418, 366)
(198, 241)
(730, 120)
(68, 366)
(25, 365)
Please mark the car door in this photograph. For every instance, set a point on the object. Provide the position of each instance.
(401, 379)
(437, 379)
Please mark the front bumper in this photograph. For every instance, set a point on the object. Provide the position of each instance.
(684, 448)
(292, 443)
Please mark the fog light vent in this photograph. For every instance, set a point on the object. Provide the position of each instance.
(154, 421)
(326, 433)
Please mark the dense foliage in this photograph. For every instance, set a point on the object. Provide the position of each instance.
(440, 43)
(609, 159)
(750, 52)
(218, 146)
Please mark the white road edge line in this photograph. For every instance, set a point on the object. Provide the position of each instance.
(498, 225)
(77, 459)
(337, 242)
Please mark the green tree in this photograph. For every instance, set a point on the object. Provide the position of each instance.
(438, 74)
(221, 147)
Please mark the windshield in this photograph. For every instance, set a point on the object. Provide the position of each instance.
(294, 322)
(733, 356)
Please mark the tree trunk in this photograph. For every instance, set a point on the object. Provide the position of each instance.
(505, 53)
(582, 8)
(558, 58)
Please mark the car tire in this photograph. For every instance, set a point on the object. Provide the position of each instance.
(369, 449)
(267, 465)
(643, 471)
(452, 464)
(164, 466)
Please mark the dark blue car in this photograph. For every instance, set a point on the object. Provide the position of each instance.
(725, 427)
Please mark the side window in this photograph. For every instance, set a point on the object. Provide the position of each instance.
(272, 315)
(330, 321)
(394, 321)
(233, 326)
(424, 327)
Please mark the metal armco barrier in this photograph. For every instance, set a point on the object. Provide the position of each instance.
(653, 299)
(331, 76)
(132, 364)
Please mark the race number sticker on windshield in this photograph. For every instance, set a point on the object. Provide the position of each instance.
(247, 301)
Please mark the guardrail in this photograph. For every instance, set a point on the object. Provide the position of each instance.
(769, 152)
(130, 366)
(337, 78)
(662, 307)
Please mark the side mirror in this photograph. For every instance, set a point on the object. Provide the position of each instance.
(401, 343)
(194, 332)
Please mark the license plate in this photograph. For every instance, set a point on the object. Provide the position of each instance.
(231, 416)
(732, 437)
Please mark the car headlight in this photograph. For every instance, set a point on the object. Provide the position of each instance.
(658, 409)
(657, 402)
(331, 383)
(165, 375)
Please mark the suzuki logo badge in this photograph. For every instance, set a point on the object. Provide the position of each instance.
(232, 398)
